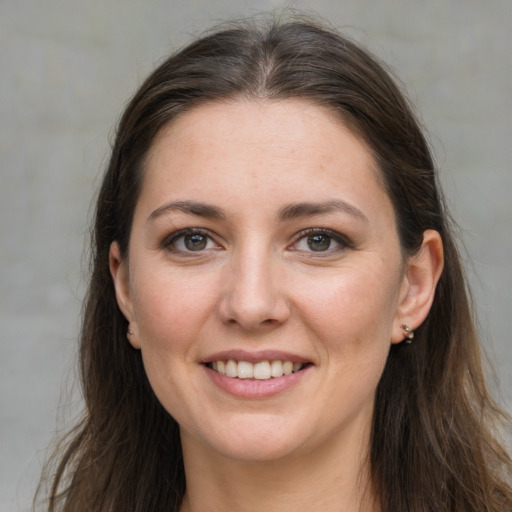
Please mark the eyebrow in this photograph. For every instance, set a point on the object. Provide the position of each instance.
(298, 210)
(190, 207)
(288, 212)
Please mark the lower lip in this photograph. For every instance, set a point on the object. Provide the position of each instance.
(254, 388)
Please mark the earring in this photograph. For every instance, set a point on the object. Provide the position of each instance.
(409, 333)
(130, 332)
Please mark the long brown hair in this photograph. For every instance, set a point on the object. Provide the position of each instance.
(433, 446)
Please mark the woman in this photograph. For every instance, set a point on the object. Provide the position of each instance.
(277, 317)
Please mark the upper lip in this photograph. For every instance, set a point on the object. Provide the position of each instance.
(255, 357)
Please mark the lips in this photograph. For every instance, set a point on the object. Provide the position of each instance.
(239, 371)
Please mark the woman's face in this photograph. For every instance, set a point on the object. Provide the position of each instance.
(263, 239)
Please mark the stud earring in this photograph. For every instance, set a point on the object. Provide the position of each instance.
(130, 332)
(409, 333)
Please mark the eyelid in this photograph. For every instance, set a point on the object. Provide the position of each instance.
(169, 240)
(343, 241)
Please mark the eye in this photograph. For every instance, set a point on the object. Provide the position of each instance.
(190, 240)
(320, 241)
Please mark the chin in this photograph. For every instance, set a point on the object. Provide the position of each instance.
(259, 450)
(253, 441)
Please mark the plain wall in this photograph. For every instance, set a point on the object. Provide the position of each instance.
(66, 70)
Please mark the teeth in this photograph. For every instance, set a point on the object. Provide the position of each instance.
(231, 368)
(263, 370)
(245, 370)
(287, 367)
(276, 369)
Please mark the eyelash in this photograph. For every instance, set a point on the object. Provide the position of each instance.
(169, 243)
(342, 241)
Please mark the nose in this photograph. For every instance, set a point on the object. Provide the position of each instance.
(254, 297)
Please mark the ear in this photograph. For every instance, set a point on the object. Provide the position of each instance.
(120, 277)
(421, 275)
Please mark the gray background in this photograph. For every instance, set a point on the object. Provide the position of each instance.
(66, 70)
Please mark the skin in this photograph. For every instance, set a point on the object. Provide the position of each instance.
(258, 283)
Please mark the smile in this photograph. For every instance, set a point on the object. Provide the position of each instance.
(262, 370)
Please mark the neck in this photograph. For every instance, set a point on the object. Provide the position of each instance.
(327, 479)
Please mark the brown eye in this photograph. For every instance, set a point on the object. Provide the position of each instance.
(318, 243)
(195, 242)
(189, 241)
(321, 241)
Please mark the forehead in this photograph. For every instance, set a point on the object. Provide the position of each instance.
(285, 124)
(260, 147)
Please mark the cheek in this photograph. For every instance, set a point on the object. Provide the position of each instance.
(360, 299)
(170, 308)
(350, 317)
(170, 311)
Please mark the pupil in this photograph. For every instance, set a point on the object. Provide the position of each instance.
(319, 242)
(195, 242)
